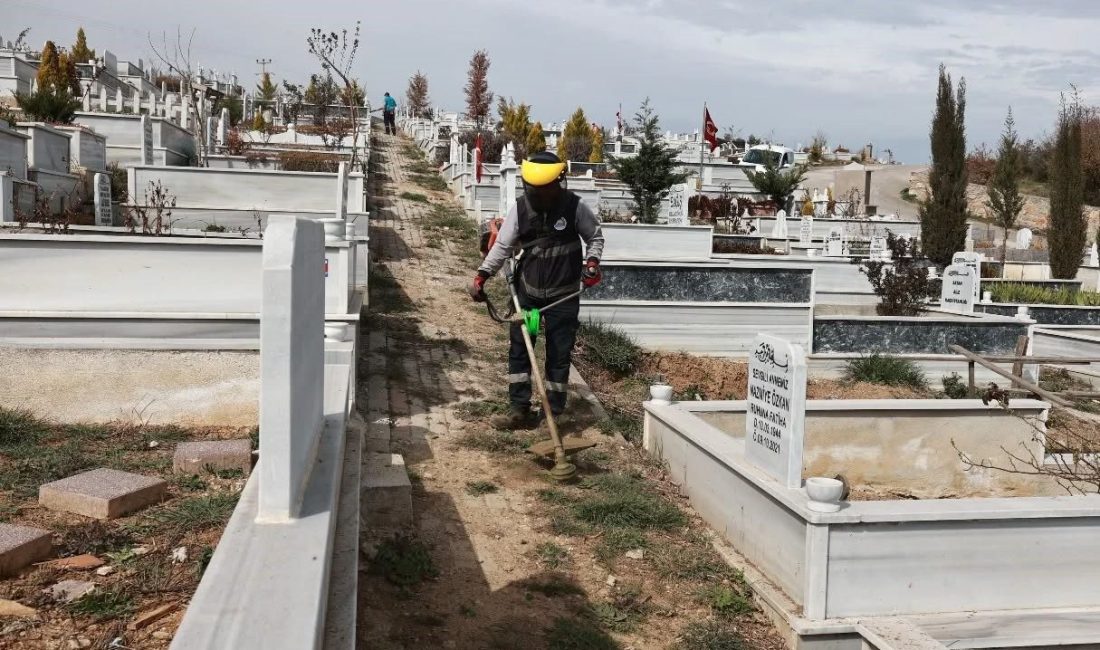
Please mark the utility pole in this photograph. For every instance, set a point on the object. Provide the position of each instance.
(263, 65)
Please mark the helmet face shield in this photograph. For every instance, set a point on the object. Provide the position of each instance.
(543, 198)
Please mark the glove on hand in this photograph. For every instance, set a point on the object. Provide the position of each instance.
(591, 275)
(477, 288)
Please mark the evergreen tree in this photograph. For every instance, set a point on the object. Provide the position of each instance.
(266, 89)
(416, 95)
(515, 124)
(943, 214)
(652, 171)
(478, 96)
(1005, 200)
(575, 142)
(353, 94)
(1068, 224)
(596, 153)
(79, 51)
(258, 123)
(536, 140)
(49, 68)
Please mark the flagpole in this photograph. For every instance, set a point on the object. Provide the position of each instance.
(702, 140)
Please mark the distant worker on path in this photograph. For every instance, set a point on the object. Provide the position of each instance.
(547, 224)
(389, 114)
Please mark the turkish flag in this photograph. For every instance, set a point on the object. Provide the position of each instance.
(710, 130)
(477, 158)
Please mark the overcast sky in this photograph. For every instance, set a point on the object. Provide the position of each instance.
(858, 70)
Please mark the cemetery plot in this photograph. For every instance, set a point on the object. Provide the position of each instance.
(127, 577)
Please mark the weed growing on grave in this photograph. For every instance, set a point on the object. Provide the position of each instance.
(95, 537)
(204, 556)
(616, 541)
(626, 609)
(622, 501)
(626, 425)
(480, 488)
(33, 465)
(482, 408)
(954, 387)
(20, 427)
(189, 482)
(451, 221)
(609, 348)
(551, 555)
(467, 611)
(710, 635)
(577, 634)
(1030, 294)
(103, 605)
(885, 369)
(422, 167)
(431, 182)
(196, 513)
(725, 601)
(415, 197)
(403, 561)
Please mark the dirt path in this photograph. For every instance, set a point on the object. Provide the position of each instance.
(508, 570)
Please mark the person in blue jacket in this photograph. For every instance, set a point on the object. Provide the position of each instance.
(389, 114)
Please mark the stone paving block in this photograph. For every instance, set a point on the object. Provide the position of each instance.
(102, 493)
(20, 546)
(195, 457)
(386, 493)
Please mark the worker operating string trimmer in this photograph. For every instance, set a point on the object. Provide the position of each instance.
(546, 228)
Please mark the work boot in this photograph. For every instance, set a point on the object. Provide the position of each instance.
(515, 418)
(563, 420)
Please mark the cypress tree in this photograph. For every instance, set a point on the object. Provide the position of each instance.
(535, 141)
(652, 171)
(1067, 231)
(1005, 200)
(575, 142)
(943, 214)
(79, 51)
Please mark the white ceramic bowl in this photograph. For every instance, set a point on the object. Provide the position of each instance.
(336, 331)
(661, 393)
(824, 493)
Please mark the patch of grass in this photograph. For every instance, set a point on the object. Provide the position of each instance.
(1031, 294)
(626, 609)
(33, 465)
(203, 561)
(622, 501)
(196, 513)
(95, 537)
(908, 196)
(710, 635)
(482, 408)
(724, 600)
(189, 482)
(422, 167)
(415, 197)
(432, 182)
(20, 427)
(553, 586)
(480, 488)
(563, 523)
(551, 555)
(616, 541)
(577, 634)
(496, 442)
(467, 611)
(885, 369)
(225, 474)
(690, 562)
(609, 348)
(103, 604)
(628, 426)
(452, 220)
(403, 561)
(88, 431)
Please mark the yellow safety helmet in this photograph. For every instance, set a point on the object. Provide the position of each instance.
(541, 169)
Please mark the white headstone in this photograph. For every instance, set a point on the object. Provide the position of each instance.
(342, 191)
(779, 230)
(210, 126)
(775, 421)
(103, 214)
(957, 290)
(292, 361)
(1023, 239)
(806, 231)
(223, 127)
(146, 140)
(878, 248)
(969, 242)
(974, 261)
(834, 242)
(7, 197)
(1094, 255)
(678, 205)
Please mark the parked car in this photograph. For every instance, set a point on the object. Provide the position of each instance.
(762, 154)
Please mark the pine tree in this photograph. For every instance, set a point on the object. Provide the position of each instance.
(266, 89)
(536, 140)
(353, 94)
(258, 123)
(1068, 224)
(416, 95)
(1005, 200)
(49, 68)
(652, 171)
(575, 142)
(478, 96)
(515, 124)
(79, 51)
(943, 214)
(596, 153)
